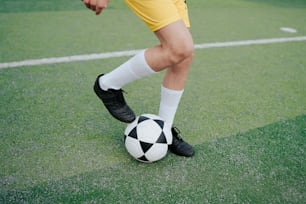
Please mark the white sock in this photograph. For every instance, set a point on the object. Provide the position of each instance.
(133, 69)
(169, 102)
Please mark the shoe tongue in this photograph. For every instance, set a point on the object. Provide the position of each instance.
(176, 134)
(179, 137)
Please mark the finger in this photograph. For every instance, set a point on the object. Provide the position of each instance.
(100, 8)
(92, 7)
(87, 3)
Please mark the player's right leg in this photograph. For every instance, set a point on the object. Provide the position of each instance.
(176, 46)
(114, 102)
(108, 86)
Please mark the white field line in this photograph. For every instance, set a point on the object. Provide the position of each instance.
(74, 58)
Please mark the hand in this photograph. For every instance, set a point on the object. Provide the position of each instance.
(96, 5)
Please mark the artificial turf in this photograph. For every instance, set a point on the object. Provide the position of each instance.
(243, 108)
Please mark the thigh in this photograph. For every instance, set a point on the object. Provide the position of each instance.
(160, 13)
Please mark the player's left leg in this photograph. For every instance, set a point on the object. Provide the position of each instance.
(171, 92)
(168, 19)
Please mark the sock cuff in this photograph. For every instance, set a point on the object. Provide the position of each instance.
(169, 102)
(170, 97)
(141, 67)
(171, 91)
(133, 69)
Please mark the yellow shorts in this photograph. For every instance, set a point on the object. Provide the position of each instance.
(159, 13)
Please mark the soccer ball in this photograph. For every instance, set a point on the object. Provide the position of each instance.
(147, 138)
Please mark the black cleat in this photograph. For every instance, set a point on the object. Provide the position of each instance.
(114, 103)
(179, 146)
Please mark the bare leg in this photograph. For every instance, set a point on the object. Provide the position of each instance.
(174, 53)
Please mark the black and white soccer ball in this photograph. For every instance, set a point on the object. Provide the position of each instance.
(147, 138)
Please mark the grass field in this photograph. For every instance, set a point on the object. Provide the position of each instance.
(244, 107)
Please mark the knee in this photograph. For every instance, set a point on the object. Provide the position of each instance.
(181, 52)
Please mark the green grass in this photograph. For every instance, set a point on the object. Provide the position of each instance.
(243, 108)
(264, 165)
